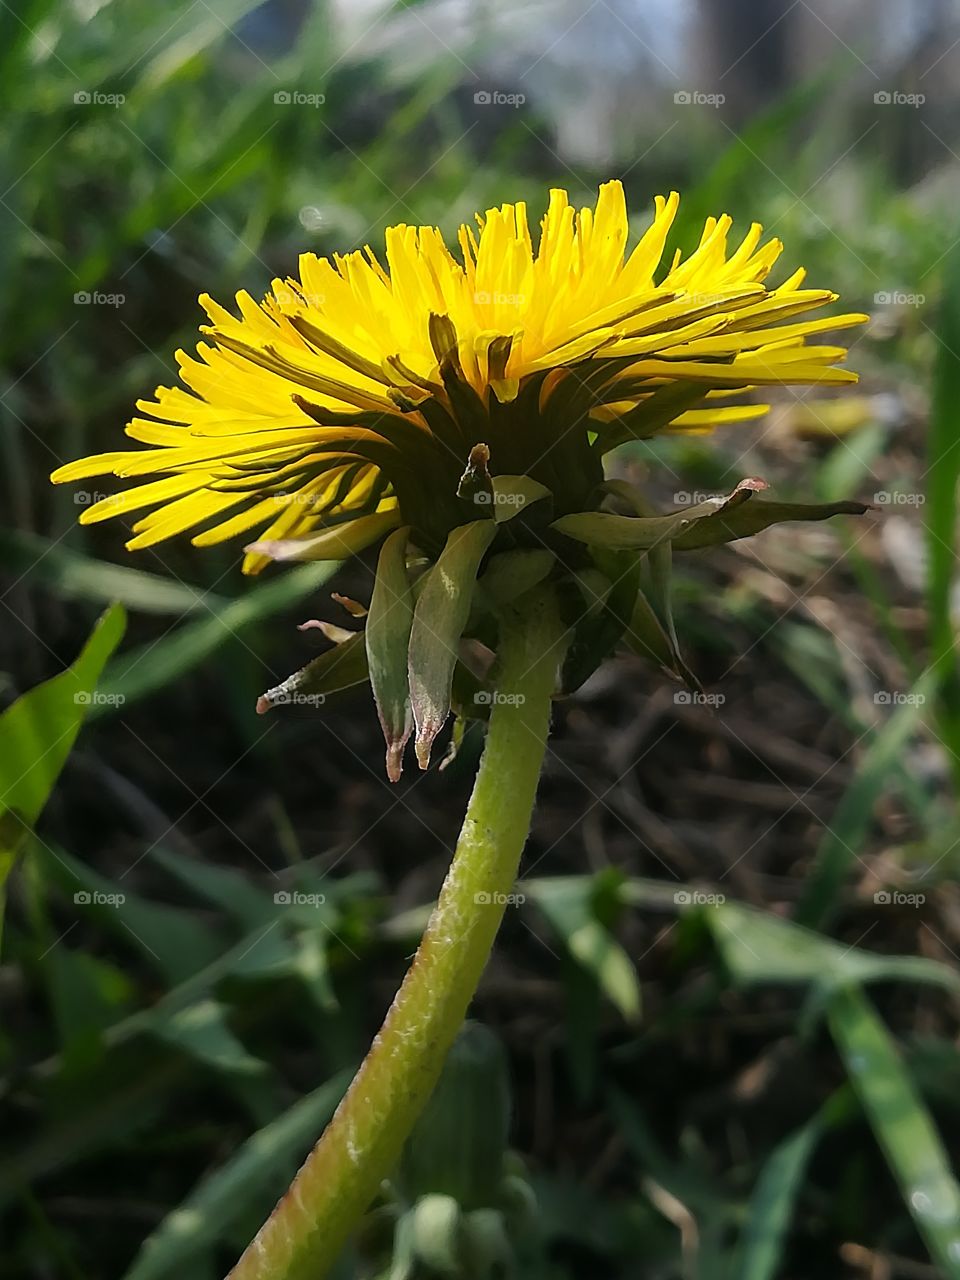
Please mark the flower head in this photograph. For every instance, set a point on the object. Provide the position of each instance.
(360, 388)
(433, 391)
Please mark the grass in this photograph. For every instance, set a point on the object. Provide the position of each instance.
(692, 1095)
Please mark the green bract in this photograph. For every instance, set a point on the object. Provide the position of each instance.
(432, 633)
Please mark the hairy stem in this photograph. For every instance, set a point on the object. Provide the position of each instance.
(306, 1231)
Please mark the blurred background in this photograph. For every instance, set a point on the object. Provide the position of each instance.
(701, 1090)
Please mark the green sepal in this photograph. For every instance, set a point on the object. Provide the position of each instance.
(646, 636)
(628, 493)
(727, 525)
(439, 617)
(739, 515)
(650, 416)
(601, 625)
(387, 641)
(511, 574)
(514, 494)
(339, 668)
(639, 533)
(652, 633)
(468, 410)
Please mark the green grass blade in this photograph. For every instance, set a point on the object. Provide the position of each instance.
(154, 665)
(168, 938)
(902, 1125)
(774, 1195)
(941, 512)
(568, 906)
(758, 947)
(850, 823)
(771, 1204)
(238, 1186)
(38, 731)
(73, 576)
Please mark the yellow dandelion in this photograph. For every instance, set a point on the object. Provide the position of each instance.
(348, 401)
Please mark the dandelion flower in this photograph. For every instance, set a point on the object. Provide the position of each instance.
(347, 401)
(458, 408)
(464, 403)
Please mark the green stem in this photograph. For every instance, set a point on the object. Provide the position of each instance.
(362, 1144)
